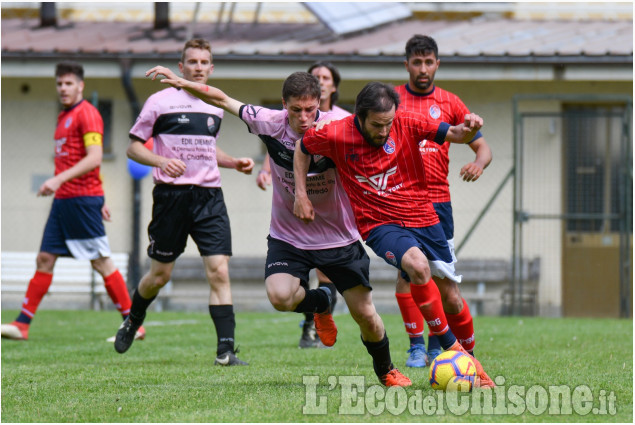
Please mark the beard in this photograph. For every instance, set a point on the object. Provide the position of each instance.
(423, 86)
(376, 143)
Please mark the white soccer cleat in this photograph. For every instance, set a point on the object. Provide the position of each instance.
(11, 331)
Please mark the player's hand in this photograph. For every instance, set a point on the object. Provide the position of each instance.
(472, 123)
(170, 77)
(320, 125)
(303, 209)
(471, 172)
(244, 165)
(49, 187)
(105, 213)
(263, 179)
(173, 167)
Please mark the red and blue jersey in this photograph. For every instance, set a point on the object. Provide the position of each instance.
(438, 106)
(386, 185)
(70, 147)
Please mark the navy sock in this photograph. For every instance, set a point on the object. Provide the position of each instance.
(447, 340)
(225, 323)
(23, 318)
(414, 340)
(433, 343)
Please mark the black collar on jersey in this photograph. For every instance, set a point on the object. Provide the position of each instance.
(409, 90)
(74, 106)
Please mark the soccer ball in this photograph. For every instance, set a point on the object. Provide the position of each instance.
(452, 370)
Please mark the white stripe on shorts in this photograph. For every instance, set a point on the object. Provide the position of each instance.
(89, 249)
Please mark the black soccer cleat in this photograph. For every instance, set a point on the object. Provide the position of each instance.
(126, 335)
(228, 358)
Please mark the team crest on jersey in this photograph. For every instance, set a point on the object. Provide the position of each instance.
(435, 112)
(390, 257)
(389, 146)
(213, 125)
(68, 122)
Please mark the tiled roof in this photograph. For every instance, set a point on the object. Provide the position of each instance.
(502, 40)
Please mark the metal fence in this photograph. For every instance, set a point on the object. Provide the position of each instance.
(573, 184)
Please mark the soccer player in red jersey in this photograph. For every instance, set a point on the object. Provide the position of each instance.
(376, 153)
(74, 227)
(437, 105)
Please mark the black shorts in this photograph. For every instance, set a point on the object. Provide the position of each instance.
(182, 210)
(345, 266)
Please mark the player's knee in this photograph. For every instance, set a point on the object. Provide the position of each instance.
(420, 274)
(280, 301)
(45, 261)
(218, 274)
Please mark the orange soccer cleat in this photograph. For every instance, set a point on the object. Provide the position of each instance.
(325, 328)
(15, 330)
(484, 380)
(394, 378)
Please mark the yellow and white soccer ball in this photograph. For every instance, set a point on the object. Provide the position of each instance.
(452, 370)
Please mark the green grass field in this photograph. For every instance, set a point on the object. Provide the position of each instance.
(66, 372)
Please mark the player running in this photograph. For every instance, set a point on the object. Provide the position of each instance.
(376, 152)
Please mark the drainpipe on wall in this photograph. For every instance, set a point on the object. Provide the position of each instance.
(134, 266)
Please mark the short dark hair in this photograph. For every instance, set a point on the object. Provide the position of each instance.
(69, 67)
(301, 85)
(421, 45)
(334, 73)
(196, 43)
(375, 97)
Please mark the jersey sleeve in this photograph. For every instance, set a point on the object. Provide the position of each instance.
(317, 142)
(421, 128)
(459, 110)
(261, 120)
(143, 126)
(90, 121)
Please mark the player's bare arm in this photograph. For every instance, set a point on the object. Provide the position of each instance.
(302, 207)
(465, 131)
(263, 179)
(105, 213)
(207, 94)
(172, 167)
(244, 165)
(472, 171)
(83, 166)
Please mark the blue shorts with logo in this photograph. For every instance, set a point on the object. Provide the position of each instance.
(391, 242)
(75, 229)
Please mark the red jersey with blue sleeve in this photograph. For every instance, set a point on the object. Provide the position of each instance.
(70, 147)
(438, 106)
(386, 185)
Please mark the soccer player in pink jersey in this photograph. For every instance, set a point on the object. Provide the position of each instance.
(329, 78)
(331, 243)
(376, 152)
(422, 96)
(187, 198)
(74, 227)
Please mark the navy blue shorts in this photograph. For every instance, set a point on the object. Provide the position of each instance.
(182, 210)
(444, 211)
(75, 229)
(345, 266)
(391, 242)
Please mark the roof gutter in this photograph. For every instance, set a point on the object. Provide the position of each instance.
(355, 58)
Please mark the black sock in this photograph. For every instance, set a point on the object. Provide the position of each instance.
(225, 323)
(139, 307)
(380, 352)
(333, 290)
(308, 316)
(315, 301)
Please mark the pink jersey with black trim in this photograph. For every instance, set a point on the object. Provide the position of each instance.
(386, 185)
(184, 127)
(438, 106)
(72, 124)
(334, 224)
